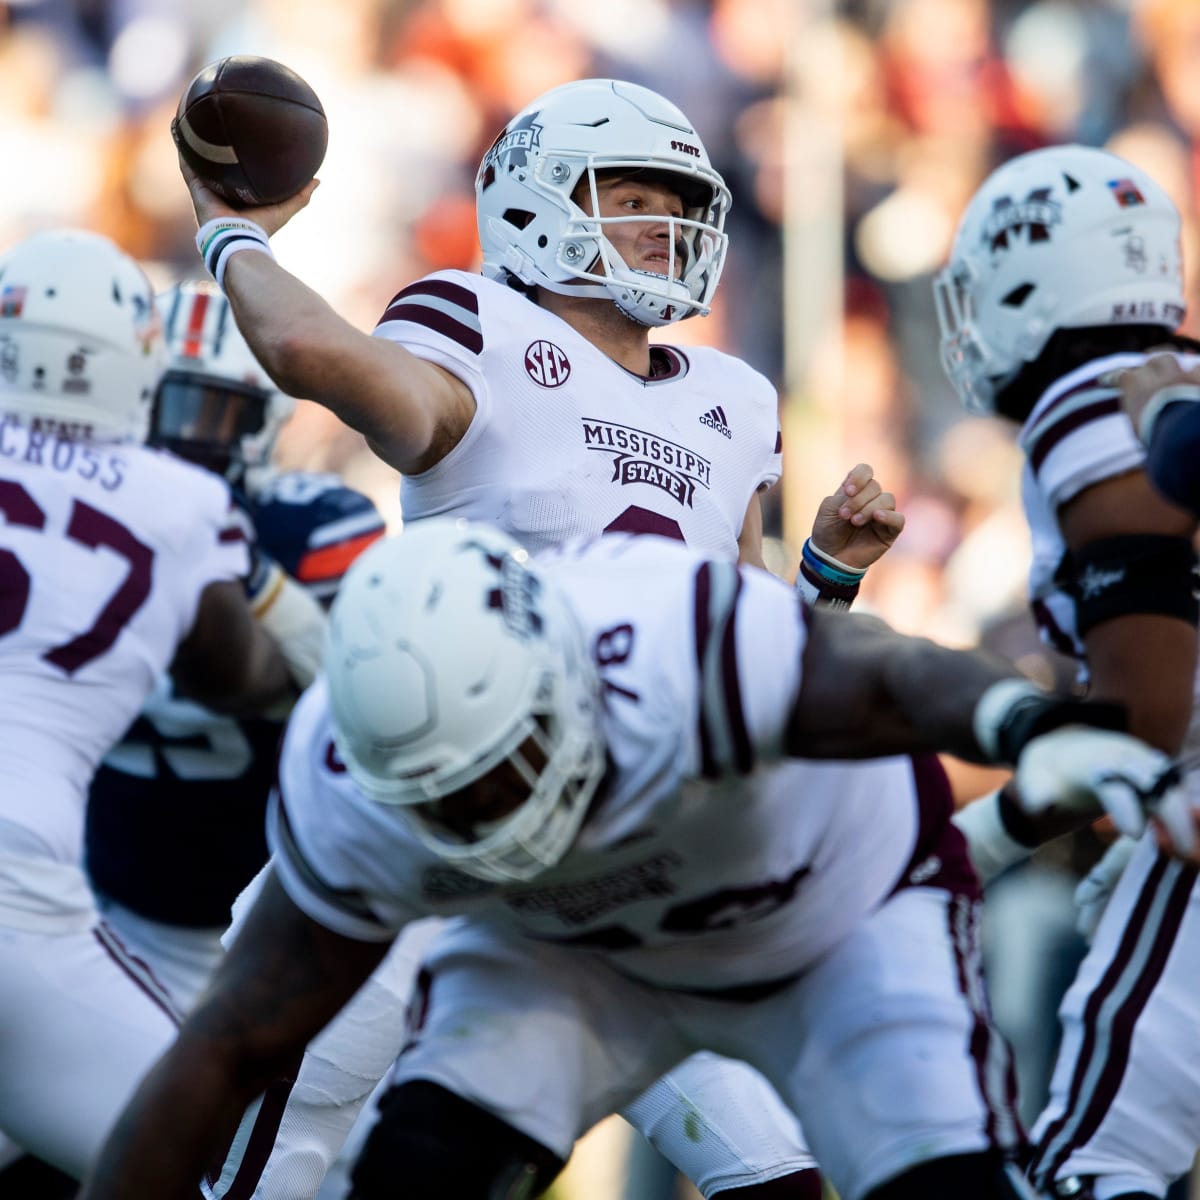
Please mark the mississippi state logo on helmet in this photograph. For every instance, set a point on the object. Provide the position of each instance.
(532, 228)
(1060, 238)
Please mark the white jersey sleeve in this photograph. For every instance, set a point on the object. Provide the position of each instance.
(1075, 437)
(104, 552)
(711, 651)
(566, 443)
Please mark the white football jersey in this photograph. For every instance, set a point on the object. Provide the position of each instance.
(104, 551)
(565, 443)
(1076, 436)
(701, 866)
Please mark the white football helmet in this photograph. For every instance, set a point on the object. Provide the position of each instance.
(81, 346)
(215, 405)
(449, 659)
(531, 228)
(1059, 238)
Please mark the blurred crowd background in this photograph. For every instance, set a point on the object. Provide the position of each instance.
(852, 135)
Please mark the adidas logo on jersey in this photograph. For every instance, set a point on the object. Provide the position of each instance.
(715, 419)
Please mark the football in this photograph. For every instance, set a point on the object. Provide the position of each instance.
(251, 129)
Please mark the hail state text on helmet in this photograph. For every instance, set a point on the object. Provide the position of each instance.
(521, 136)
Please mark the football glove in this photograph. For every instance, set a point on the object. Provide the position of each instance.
(1079, 768)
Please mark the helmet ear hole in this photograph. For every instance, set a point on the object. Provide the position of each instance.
(1018, 295)
(518, 217)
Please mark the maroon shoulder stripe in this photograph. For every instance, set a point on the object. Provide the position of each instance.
(725, 742)
(701, 623)
(446, 308)
(1106, 403)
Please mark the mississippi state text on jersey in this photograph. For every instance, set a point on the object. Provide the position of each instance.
(566, 443)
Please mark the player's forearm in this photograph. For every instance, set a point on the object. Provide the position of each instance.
(930, 695)
(293, 331)
(164, 1141)
(375, 387)
(868, 691)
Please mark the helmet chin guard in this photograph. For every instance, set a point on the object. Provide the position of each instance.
(531, 227)
(1060, 238)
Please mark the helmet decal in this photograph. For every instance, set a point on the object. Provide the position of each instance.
(80, 341)
(1034, 216)
(512, 147)
(1059, 238)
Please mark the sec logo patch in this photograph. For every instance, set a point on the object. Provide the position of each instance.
(547, 365)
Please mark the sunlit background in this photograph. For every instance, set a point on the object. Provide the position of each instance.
(851, 135)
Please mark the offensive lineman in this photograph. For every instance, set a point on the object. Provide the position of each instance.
(176, 813)
(571, 755)
(532, 397)
(1066, 268)
(116, 564)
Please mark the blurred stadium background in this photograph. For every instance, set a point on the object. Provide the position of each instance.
(851, 134)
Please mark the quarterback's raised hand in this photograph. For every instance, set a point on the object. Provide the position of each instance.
(1077, 768)
(859, 522)
(271, 217)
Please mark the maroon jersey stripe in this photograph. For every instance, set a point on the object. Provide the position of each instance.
(1103, 406)
(406, 306)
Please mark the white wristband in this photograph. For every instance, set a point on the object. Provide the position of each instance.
(221, 238)
(992, 848)
(993, 707)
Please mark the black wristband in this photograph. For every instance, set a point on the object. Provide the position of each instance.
(1032, 715)
(1016, 822)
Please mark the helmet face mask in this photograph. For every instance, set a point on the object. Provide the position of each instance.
(1061, 238)
(462, 694)
(531, 225)
(215, 405)
(80, 339)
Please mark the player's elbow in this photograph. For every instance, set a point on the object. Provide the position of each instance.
(295, 359)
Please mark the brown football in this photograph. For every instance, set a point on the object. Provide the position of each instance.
(251, 129)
